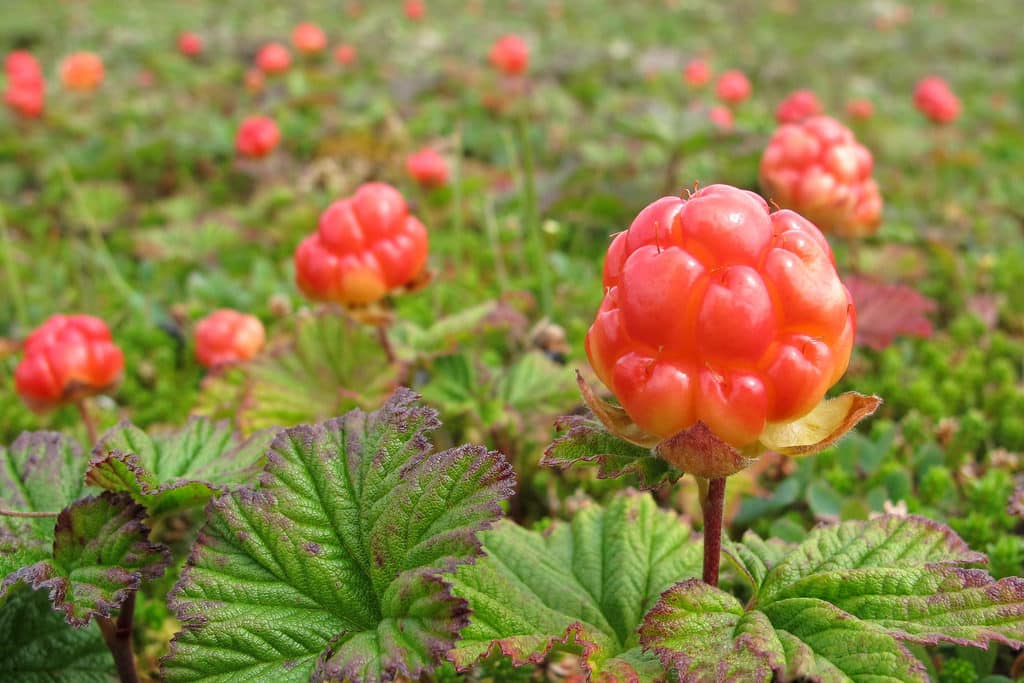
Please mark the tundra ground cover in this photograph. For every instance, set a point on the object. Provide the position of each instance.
(123, 196)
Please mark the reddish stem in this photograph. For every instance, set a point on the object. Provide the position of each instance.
(118, 637)
(385, 343)
(88, 421)
(713, 507)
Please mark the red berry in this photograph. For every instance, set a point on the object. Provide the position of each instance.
(697, 73)
(365, 246)
(308, 38)
(718, 310)
(273, 58)
(81, 71)
(935, 99)
(66, 359)
(733, 87)
(415, 9)
(22, 66)
(227, 336)
(257, 137)
(860, 109)
(190, 44)
(722, 117)
(510, 55)
(427, 167)
(800, 105)
(27, 98)
(818, 168)
(345, 54)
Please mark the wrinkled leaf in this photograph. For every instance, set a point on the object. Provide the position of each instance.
(838, 607)
(101, 554)
(332, 567)
(38, 647)
(39, 472)
(184, 468)
(586, 440)
(584, 584)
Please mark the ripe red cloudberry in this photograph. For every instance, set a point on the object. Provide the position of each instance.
(935, 99)
(799, 105)
(733, 87)
(817, 168)
(257, 137)
(190, 44)
(273, 58)
(67, 358)
(227, 336)
(427, 167)
(510, 55)
(718, 310)
(82, 71)
(309, 39)
(365, 246)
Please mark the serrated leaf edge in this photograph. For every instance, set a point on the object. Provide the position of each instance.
(39, 575)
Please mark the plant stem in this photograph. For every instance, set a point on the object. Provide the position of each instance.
(119, 640)
(13, 283)
(19, 513)
(713, 507)
(535, 240)
(88, 421)
(385, 343)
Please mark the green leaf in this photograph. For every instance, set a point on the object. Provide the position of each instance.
(181, 469)
(333, 365)
(413, 342)
(586, 440)
(585, 584)
(332, 567)
(38, 647)
(40, 472)
(754, 557)
(884, 542)
(842, 604)
(705, 634)
(538, 384)
(101, 554)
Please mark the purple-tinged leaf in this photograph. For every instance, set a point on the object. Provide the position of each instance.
(585, 585)
(332, 568)
(40, 472)
(183, 468)
(585, 440)
(101, 554)
(38, 647)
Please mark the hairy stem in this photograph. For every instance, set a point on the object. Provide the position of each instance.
(118, 636)
(713, 506)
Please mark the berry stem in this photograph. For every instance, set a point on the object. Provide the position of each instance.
(385, 343)
(713, 505)
(88, 421)
(118, 636)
